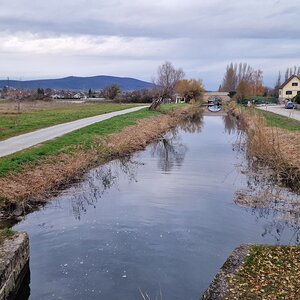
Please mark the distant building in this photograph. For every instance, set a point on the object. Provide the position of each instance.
(290, 88)
(179, 99)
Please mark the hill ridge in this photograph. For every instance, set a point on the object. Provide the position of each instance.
(78, 83)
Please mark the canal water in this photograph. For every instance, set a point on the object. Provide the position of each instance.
(159, 224)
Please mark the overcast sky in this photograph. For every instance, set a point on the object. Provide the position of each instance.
(43, 39)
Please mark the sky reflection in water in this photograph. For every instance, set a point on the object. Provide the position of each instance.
(163, 221)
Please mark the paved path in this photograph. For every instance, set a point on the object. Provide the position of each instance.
(280, 110)
(30, 139)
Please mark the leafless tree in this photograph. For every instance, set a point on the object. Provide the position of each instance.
(230, 81)
(277, 85)
(166, 81)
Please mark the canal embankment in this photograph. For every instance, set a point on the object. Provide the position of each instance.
(272, 141)
(253, 271)
(14, 260)
(29, 178)
(161, 222)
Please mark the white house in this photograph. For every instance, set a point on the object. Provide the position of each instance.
(290, 88)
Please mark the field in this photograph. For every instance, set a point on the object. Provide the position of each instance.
(41, 114)
(69, 143)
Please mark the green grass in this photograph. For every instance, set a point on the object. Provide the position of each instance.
(69, 143)
(274, 120)
(15, 124)
(170, 107)
(259, 100)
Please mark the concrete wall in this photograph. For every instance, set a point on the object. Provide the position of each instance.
(14, 258)
(219, 287)
(221, 95)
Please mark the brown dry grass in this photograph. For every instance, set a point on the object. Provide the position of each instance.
(9, 107)
(34, 184)
(276, 147)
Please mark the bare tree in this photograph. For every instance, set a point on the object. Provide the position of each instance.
(166, 81)
(111, 91)
(230, 81)
(292, 71)
(243, 79)
(277, 85)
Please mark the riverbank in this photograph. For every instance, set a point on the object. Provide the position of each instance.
(258, 272)
(272, 143)
(31, 177)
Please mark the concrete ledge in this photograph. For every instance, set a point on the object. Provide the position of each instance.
(218, 288)
(14, 258)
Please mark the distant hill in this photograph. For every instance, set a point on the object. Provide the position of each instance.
(79, 83)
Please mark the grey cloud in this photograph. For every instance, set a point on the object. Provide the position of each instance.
(200, 36)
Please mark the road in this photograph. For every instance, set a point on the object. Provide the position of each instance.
(28, 140)
(280, 110)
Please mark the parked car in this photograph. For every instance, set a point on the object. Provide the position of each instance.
(289, 105)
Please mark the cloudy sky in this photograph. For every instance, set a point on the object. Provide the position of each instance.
(43, 39)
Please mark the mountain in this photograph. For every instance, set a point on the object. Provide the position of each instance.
(79, 83)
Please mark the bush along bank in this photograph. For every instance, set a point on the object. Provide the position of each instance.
(31, 177)
(271, 146)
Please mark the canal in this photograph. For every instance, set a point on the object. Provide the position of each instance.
(160, 223)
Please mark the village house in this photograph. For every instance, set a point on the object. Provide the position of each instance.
(290, 88)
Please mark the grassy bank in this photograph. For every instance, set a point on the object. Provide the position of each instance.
(269, 272)
(36, 173)
(274, 120)
(41, 116)
(69, 143)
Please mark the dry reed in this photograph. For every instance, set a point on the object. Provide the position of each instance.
(275, 147)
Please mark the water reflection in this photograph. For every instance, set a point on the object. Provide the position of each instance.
(230, 124)
(169, 151)
(155, 230)
(98, 181)
(264, 199)
(193, 122)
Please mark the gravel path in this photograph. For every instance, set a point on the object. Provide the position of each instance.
(280, 110)
(30, 139)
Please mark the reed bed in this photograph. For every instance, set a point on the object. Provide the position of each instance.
(269, 146)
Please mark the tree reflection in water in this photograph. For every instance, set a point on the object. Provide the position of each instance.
(98, 181)
(230, 124)
(169, 150)
(192, 122)
(265, 196)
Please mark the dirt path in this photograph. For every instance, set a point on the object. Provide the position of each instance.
(28, 140)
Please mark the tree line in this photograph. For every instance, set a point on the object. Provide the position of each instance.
(243, 81)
